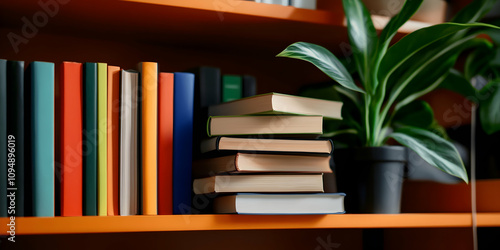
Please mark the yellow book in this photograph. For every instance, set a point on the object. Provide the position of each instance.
(102, 145)
(149, 85)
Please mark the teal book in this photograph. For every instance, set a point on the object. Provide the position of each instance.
(90, 139)
(42, 137)
(15, 136)
(232, 88)
(3, 138)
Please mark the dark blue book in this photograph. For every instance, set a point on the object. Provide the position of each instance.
(183, 142)
(15, 135)
(207, 92)
(90, 139)
(249, 86)
(207, 86)
(3, 138)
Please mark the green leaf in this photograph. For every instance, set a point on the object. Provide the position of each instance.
(456, 82)
(478, 60)
(423, 64)
(474, 11)
(391, 29)
(489, 98)
(417, 114)
(349, 64)
(439, 130)
(323, 60)
(352, 96)
(416, 41)
(363, 38)
(429, 68)
(427, 79)
(433, 149)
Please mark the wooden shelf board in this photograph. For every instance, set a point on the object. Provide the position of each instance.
(227, 24)
(220, 8)
(116, 224)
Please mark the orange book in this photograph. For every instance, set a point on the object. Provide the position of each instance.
(71, 139)
(165, 141)
(149, 85)
(113, 139)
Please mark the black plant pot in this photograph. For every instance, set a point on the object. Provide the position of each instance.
(371, 177)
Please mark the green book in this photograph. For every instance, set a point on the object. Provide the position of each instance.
(232, 88)
(90, 138)
(102, 145)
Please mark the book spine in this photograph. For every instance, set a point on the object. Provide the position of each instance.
(113, 138)
(128, 143)
(183, 142)
(15, 134)
(208, 87)
(102, 126)
(90, 139)
(43, 137)
(249, 86)
(71, 145)
(207, 92)
(305, 4)
(231, 88)
(280, 2)
(3, 138)
(149, 84)
(165, 141)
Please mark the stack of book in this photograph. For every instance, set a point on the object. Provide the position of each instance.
(264, 157)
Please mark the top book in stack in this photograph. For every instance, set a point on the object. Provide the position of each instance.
(275, 103)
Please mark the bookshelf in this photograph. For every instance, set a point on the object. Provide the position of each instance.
(161, 223)
(240, 37)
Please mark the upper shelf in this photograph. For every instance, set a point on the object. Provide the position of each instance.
(199, 23)
(143, 223)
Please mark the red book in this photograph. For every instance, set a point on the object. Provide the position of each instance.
(71, 139)
(113, 140)
(165, 141)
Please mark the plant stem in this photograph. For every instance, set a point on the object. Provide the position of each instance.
(366, 120)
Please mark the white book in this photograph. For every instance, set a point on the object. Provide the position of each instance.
(304, 4)
(281, 2)
(329, 203)
(128, 142)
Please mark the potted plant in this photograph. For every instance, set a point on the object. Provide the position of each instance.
(383, 104)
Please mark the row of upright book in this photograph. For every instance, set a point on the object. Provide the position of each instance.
(94, 139)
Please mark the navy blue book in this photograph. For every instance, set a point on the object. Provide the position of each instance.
(3, 138)
(15, 132)
(207, 92)
(183, 142)
(249, 86)
(207, 86)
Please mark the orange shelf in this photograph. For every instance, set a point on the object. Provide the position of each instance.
(115, 224)
(201, 24)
